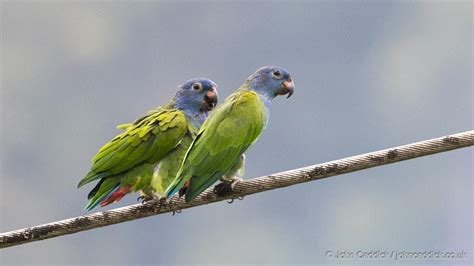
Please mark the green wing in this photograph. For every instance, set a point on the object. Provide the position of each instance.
(148, 139)
(222, 139)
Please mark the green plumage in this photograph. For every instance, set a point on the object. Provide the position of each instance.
(165, 172)
(147, 155)
(221, 142)
(131, 157)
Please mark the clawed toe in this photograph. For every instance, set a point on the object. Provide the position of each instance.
(176, 212)
(144, 198)
(163, 202)
(224, 188)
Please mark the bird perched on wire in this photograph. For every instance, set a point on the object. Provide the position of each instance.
(147, 155)
(218, 150)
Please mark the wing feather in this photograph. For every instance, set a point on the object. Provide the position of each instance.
(148, 139)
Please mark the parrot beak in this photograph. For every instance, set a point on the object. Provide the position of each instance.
(210, 100)
(287, 87)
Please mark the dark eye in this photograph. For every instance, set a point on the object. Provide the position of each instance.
(277, 73)
(197, 86)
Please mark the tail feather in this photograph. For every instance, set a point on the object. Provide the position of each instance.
(95, 189)
(117, 195)
(107, 191)
(99, 198)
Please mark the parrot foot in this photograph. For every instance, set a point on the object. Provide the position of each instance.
(163, 202)
(226, 187)
(160, 203)
(145, 198)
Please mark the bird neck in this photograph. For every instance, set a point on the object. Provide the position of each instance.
(257, 86)
(197, 119)
(192, 111)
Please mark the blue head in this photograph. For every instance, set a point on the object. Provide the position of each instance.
(271, 81)
(196, 97)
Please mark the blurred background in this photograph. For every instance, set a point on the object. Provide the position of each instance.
(369, 75)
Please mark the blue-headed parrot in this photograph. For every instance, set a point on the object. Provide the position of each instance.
(147, 155)
(218, 150)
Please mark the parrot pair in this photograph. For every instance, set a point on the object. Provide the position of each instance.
(180, 148)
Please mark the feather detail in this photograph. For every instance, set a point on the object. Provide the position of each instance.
(115, 196)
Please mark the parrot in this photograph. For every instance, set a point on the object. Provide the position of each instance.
(217, 152)
(147, 155)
